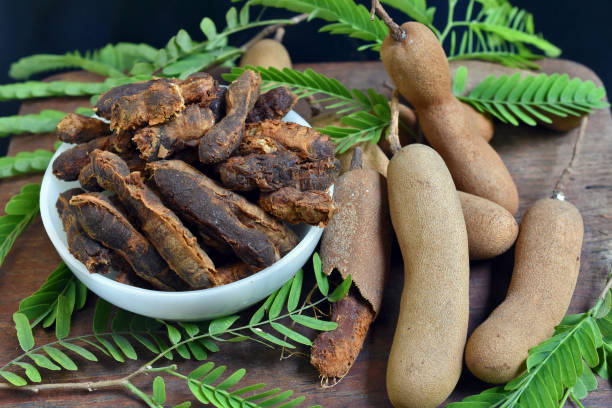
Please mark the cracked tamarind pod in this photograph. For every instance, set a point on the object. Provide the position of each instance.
(69, 163)
(356, 242)
(274, 104)
(271, 136)
(295, 206)
(95, 257)
(185, 129)
(94, 211)
(75, 128)
(269, 172)
(174, 242)
(199, 88)
(188, 192)
(220, 141)
(87, 179)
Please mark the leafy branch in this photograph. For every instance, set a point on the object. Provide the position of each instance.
(532, 98)
(345, 16)
(20, 211)
(163, 339)
(366, 114)
(180, 57)
(560, 367)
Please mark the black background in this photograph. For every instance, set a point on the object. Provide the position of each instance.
(582, 29)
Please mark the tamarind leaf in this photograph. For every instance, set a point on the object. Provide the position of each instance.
(531, 99)
(13, 378)
(296, 290)
(45, 121)
(316, 324)
(322, 282)
(341, 290)
(19, 212)
(345, 17)
(279, 300)
(293, 335)
(61, 358)
(415, 9)
(30, 371)
(25, 163)
(83, 352)
(221, 324)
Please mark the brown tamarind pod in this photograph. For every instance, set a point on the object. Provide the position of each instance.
(267, 53)
(546, 265)
(419, 68)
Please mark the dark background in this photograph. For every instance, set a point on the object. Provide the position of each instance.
(582, 29)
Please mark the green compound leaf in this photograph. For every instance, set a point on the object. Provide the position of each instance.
(25, 163)
(45, 121)
(532, 98)
(20, 211)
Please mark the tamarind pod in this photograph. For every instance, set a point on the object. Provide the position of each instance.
(218, 105)
(75, 128)
(266, 53)
(184, 129)
(274, 104)
(69, 163)
(155, 104)
(215, 243)
(225, 136)
(107, 99)
(426, 356)
(295, 206)
(104, 223)
(425, 82)
(272, 136)
(269, 172)
(373, 158)
(233, 272)
(481, 123)
(491, 229)
(95, 257)
(334, 353)
(186, 191)
(87, 179)
(546, 265)
(174, 242)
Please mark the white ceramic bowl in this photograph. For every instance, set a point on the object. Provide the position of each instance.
(190, 305)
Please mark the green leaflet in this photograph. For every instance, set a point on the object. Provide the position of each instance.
(365, 115)
(533, 98)
(415, 9)
(42, 122)
(20, 210)
(345, 17)
(25, 163)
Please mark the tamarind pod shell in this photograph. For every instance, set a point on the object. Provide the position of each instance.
(373, 158)
(546, 265)
(267, 53)
(426, 357)
(491, 228)
(481, 124)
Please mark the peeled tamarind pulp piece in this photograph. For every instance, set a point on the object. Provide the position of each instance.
(269, 172)
(419, 68)
(546, 265)
(333, 353)
(104, 223)
(295, 206)
(174, 242)
(188, 192)
(88, 180)
(75, 128)
(199, 88)
(233, 272)
(184, 129)
(69, 163)
(426, 356)
(274, 104)
(95, 257)
(225, 136)
(356, 242)
(272, 136)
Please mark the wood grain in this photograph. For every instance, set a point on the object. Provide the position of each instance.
(535, 157)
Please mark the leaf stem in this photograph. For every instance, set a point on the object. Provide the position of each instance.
(576, 400)
(272, 28)
(449, 21)
(565, 397)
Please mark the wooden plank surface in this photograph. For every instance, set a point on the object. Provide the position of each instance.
(535, 157)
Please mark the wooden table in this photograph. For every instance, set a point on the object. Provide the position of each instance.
(535, 157)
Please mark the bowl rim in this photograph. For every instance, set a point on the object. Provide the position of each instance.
(78, 267)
